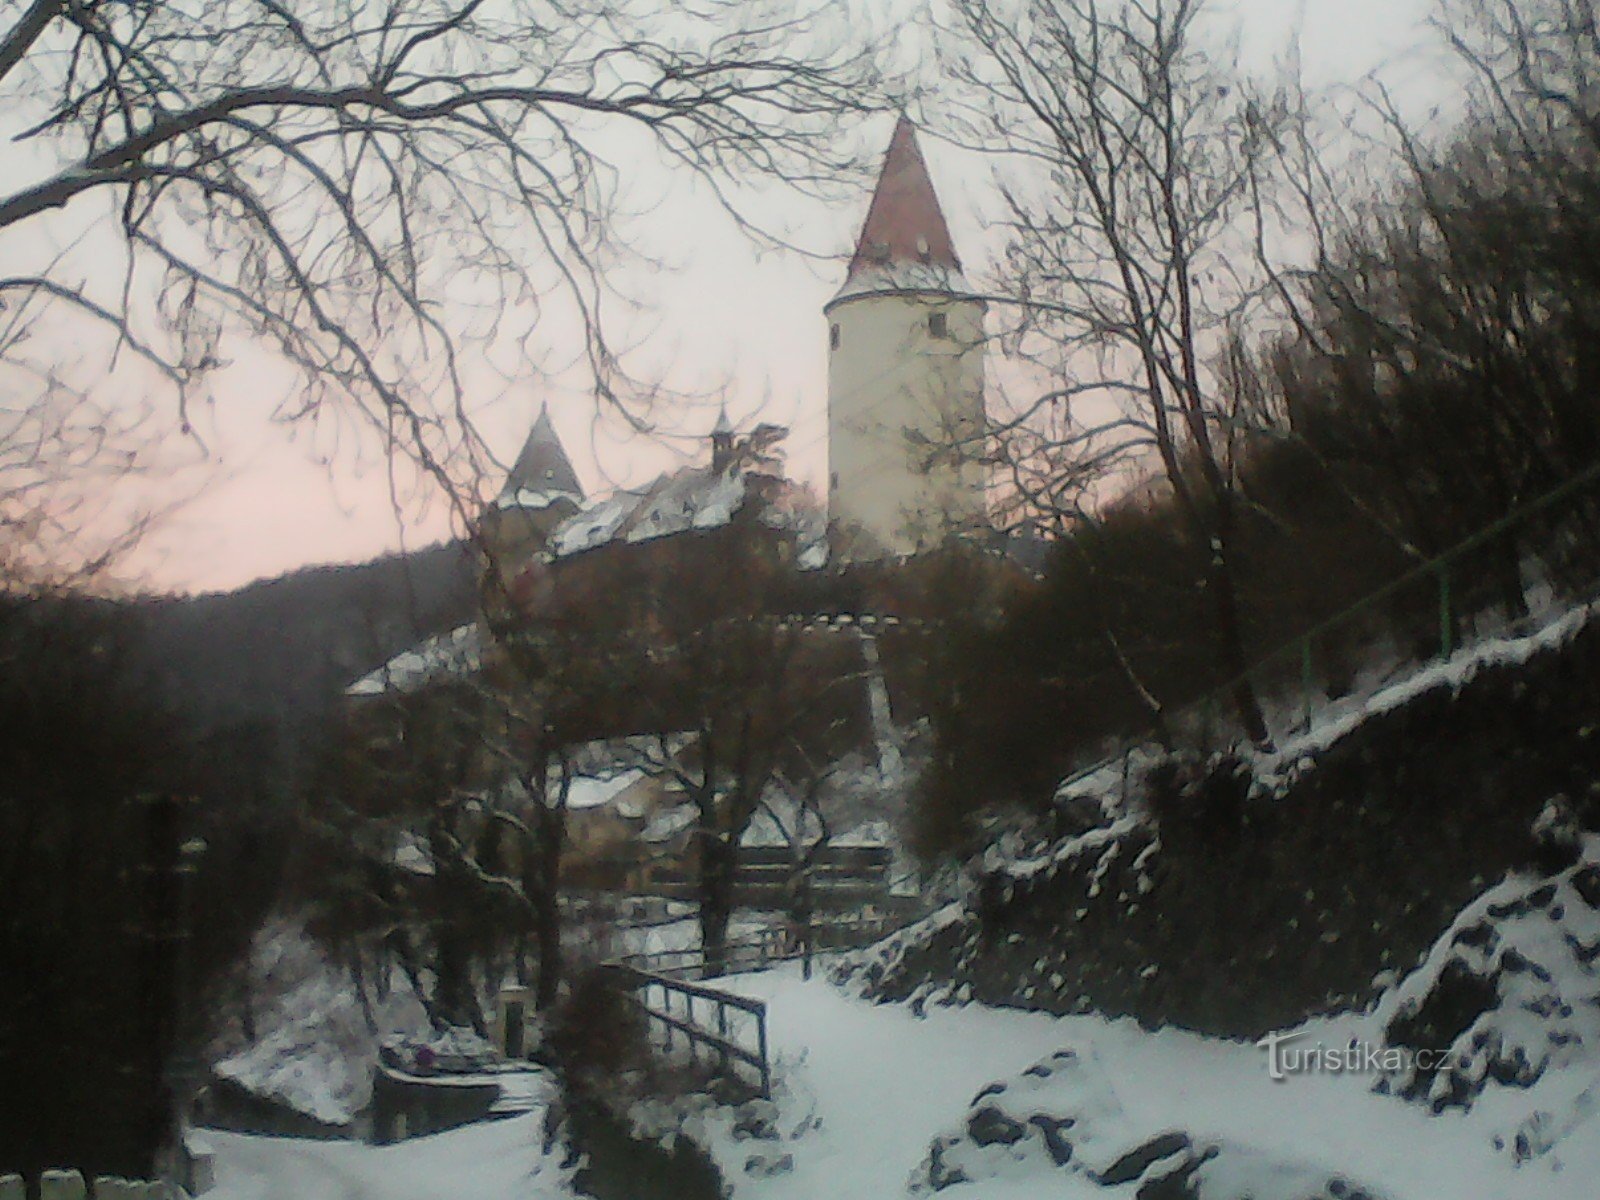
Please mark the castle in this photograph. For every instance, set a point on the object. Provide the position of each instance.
(905, 411)
(906, 425)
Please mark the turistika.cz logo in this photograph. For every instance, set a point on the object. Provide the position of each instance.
(1355, 1057)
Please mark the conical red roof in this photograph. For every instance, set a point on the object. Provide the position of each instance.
(905, 223)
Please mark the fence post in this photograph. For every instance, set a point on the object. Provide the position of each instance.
(1446, 625)
(722, 1032)
(766, 1066)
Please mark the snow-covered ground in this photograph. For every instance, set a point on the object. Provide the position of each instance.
(501, 1160)
(864, 1089)
(864, 1092)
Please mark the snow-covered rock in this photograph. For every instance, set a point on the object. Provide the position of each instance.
(315, 1042)
(1509, 991)
(1061, 1116)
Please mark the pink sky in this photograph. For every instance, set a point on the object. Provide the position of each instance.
(724, 320)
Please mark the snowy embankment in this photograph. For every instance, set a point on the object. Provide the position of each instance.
(1239, 892)
(313, 1038)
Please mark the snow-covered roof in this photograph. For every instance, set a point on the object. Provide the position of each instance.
(596, 791)
(458, 652)
(533, 498)
(693, 498)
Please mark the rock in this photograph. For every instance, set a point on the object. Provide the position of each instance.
(1053, 1131)
(765, 1166)
(1176, 1184)
(1586, 882)
(938, 1173)
(989, 1126)
(1137, 1161)
(1343, 1189)
(757, 1119)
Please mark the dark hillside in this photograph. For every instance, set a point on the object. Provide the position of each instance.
(284, 649)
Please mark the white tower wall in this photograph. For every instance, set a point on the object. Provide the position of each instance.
(901, 396)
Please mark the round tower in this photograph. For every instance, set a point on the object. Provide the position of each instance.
(905, 375)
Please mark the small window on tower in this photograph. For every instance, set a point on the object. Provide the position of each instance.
(833, 336)
(939, 324)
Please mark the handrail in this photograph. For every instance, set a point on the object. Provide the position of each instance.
(728, 1049)
(1438, 567)
(700, 991)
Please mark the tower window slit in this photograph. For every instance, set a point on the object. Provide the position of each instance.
(939, 324)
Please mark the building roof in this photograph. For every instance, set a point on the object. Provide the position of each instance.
(905, 244)
(542, 471)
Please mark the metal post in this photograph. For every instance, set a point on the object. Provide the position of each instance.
(722, 1032)
(766, 1067)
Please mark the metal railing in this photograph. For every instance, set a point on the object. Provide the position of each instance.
(1451, 604)
(708, 1019)
(774, 944)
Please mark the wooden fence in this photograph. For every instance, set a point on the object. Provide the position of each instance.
(728, 1029)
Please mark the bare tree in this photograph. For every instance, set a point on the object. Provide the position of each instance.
(1118, 272)
(63, 453)
(369, 189)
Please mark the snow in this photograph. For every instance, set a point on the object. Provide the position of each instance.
(595, 791)
(535, 498)
(1533, 941)
(665, 826)
(498, 1160)
(314, 1049)
(863, 1089)
(455, 653)
(694, 498)
(1278, 767)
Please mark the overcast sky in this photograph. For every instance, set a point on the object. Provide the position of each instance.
(723, 319)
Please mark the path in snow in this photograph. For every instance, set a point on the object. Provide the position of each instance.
(884, 1083)
(500, 1160)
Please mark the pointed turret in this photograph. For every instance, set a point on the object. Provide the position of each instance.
(721, 441)
(542, 470)
(904, 223)
(905, 374)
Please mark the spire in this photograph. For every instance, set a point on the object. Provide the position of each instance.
(542, 469)
(722, 440)
(904, 223)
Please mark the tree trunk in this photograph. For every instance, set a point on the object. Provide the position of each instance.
(454, 1001)
(1230, 633)
(547, 908)
(718, 865)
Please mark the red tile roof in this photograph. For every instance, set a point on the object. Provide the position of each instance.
(905, 223)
